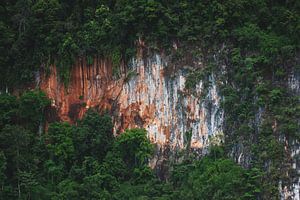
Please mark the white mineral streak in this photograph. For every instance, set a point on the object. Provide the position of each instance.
(167, 111)
(294, 82)
(156, 101)
(293, 192)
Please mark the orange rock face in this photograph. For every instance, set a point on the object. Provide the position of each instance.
(144, 96)
(89, 86)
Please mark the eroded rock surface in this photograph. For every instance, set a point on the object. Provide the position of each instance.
(144, 95)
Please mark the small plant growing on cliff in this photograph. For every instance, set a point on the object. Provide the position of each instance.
(116, 61)
(187, 140)
(89, 60)
(130, 74)
(217, 139)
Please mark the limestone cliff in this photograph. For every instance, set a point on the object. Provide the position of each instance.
(147, 94)
(144, 95)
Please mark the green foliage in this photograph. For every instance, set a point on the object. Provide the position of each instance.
(130, 74)
(60, 144)
(2, 171)
(67, 189)
(134, 147)
(258, 52)
(219, 179)
(188, 138)
(67, 52)
(193, 79)
(85, 161)
(8, 109)
(32, 107)
(89, 60)
(93, 135)
(15, 142)
(28, 110)
(215, 177)
(34, 32)
(20, 118)
(116, 61)
(257, 40)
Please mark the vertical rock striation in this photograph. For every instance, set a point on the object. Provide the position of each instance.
(147, 95)
(144, 96)
(293, 192)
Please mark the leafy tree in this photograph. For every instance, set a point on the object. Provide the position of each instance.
(93, 136)
(67, 189)
(134, 147)
(135, 150)
(2, 172)
(32, 108)
(60, 144)
(257, 40)
(15, 143)
(8, 109)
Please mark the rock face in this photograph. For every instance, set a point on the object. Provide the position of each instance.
(145, 95)
(293, 192)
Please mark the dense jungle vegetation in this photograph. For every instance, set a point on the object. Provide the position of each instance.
(258, 42)
(36, 33)
(85, 161)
